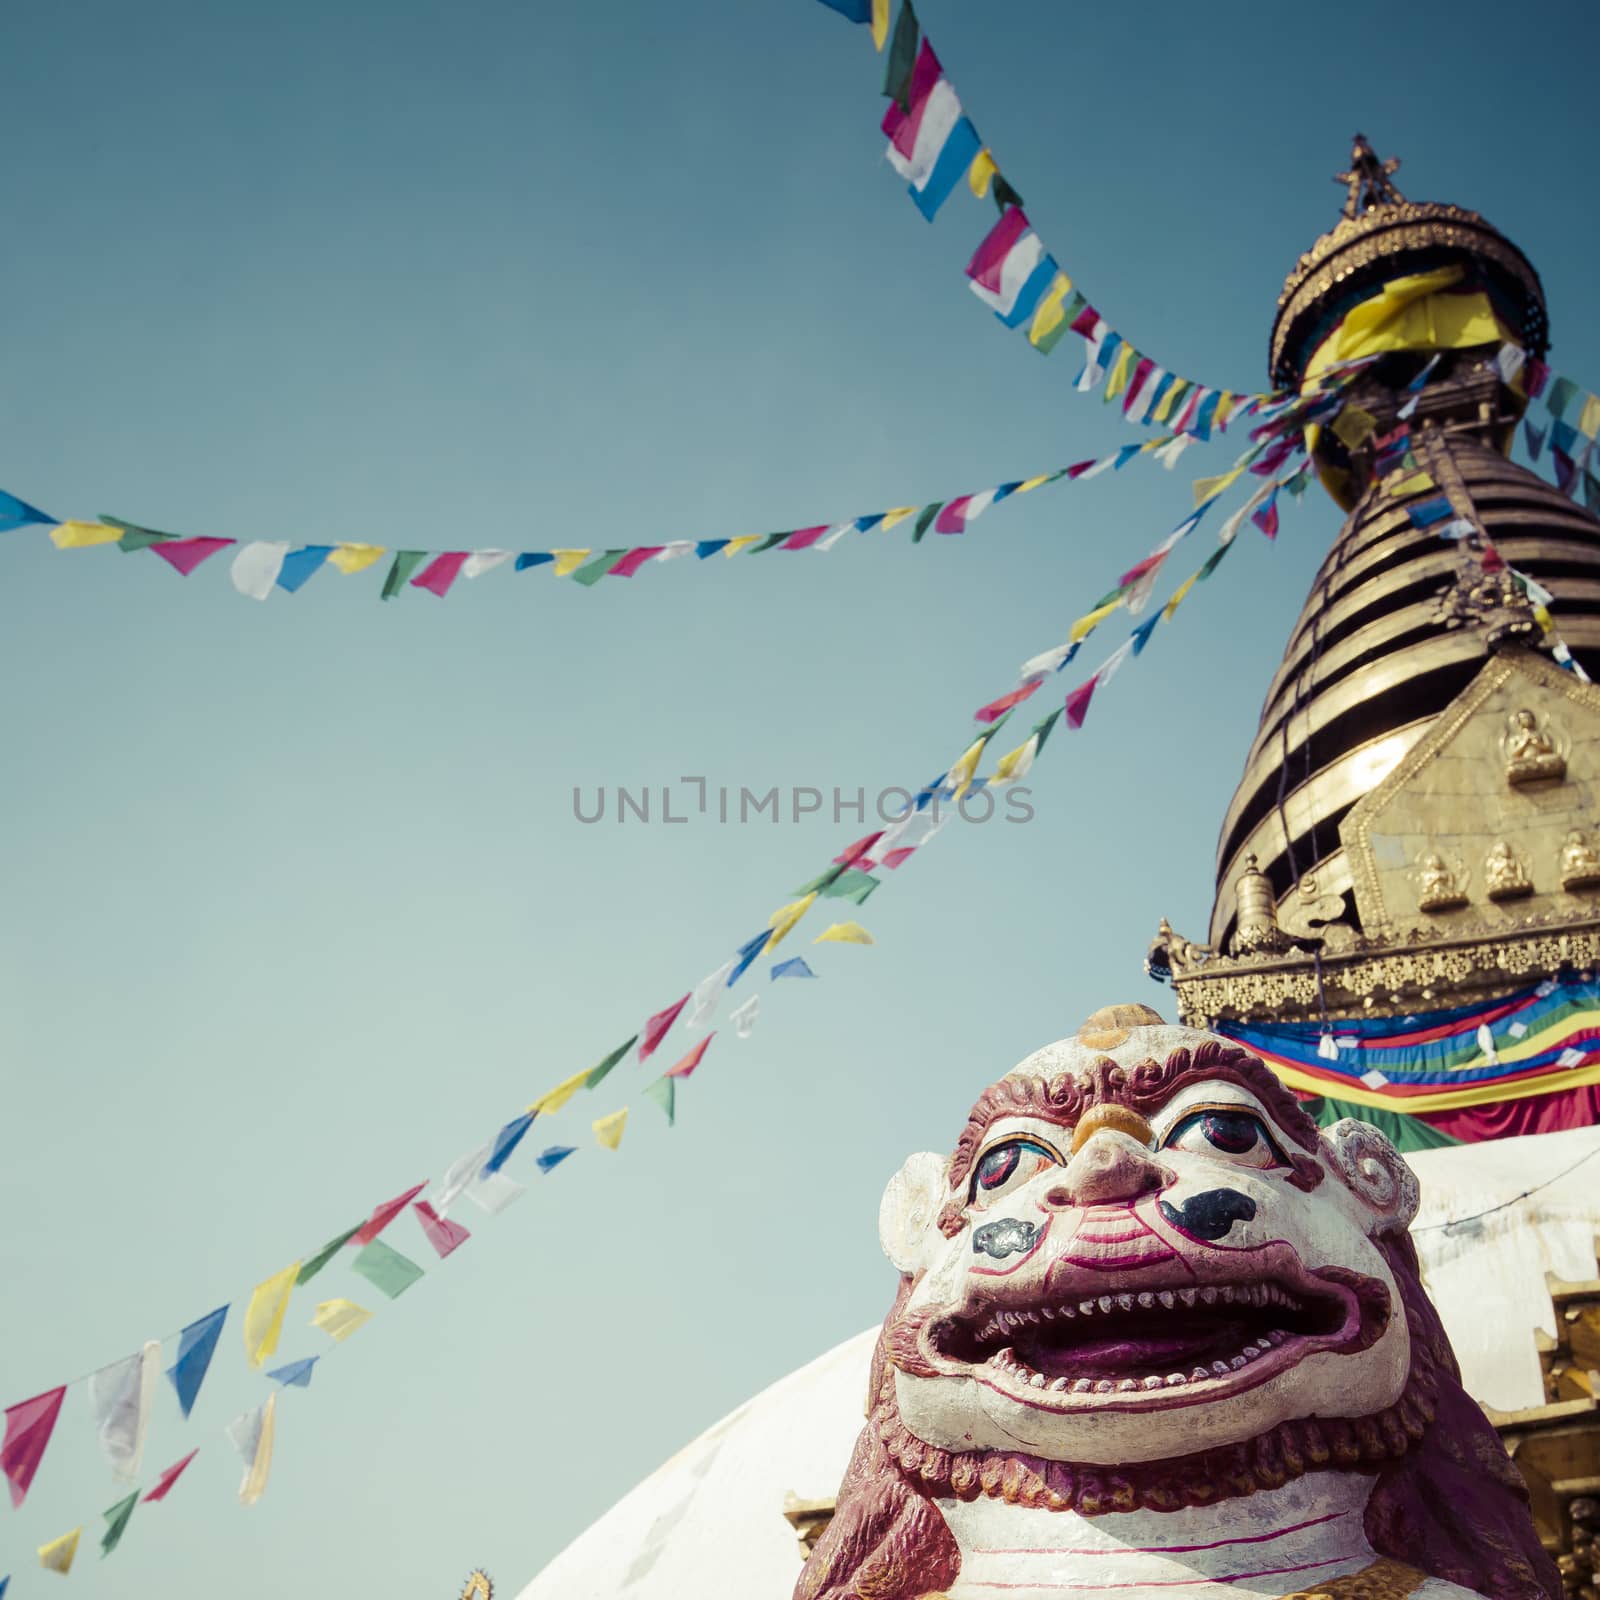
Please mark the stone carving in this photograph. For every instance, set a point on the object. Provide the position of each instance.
(1504, 876)
(1437, 889)
(1580, 866)
(1211, 1364)
(1531, 754)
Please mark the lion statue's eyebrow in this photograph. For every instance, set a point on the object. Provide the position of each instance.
(1144, 1087)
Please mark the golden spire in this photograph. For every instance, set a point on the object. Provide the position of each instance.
(1368, 180)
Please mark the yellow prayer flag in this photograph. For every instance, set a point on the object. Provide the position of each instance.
(80, 535)
(898, 515)
(608, 1130)
(1006, 768)
(263, 1317)
(880, 23)
(1542, 616)
(1353, 426)
(743, 542)
(1589, 417)
(785, 917)
(557, 1097)
(1224, 409)
(569, 560)
(844, 933)
(1118, 380)
(960, 775)
(1169, 400)
(1177, 598)
(255, 1476)
(1033, 483)
(981, 172)
(340, 1318)
(1209, 488)
(1051, 313)
(57, 1555)
(1415, 484)
(350, 558)
(1084, 626)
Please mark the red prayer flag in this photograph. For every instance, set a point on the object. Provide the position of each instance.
(1078, 702)
(29, 1425)
(901, 124)
(1084, 322)
(385, 1214)
(989, 257)
(998, 708)
(1136, 572)
(1078, 468)
(443, 1234)
(894, 858)
(1492, 561)
(692, 1060)
(655, 1030)
(165, 1482)
(634, 559)
(440, 573)
(848, 857)
(1141, 371)
(953, 519)
(803, 538)
(1266, 517)
(186, 554)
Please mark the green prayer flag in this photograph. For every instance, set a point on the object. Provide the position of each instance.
(1004, 194)
(1108, 597)
(326, 1254)
(771, 542)
(1041, 730)
(853, 885)
(386, 1269)
(116, 1523)
(664, 1091)
(902, 58)
(925, 521)
(1213, 561)
(405, 563)
(142, 538)
(601, 1068)
(819, 884)
(1069, 313)
(1562, 393)
(591, 572)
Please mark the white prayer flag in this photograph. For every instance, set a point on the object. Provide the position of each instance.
(120, 1397)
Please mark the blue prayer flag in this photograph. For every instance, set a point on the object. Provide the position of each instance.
(196, 1344)
(948, 170)
(794, 967)
(507, 1140)
(1141, 634)
(1031, 293)
(1427, 512)
(533, 558)
(552, 1158)
(746, 954)
(709, 547)
(299, 565)
(852, 10)
(297, 1373)
(13, 514)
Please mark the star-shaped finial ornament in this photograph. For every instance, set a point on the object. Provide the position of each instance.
(1369, 181)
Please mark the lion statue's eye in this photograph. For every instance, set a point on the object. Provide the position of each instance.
(1007, 1165)
(1239, 1136)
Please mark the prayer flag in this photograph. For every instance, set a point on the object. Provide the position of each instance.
(853, 853)
(851, 884)
(482, 561)
(1562, 393)
(117, 1519)
(657, 1027)
(785, 917)
(803, 538)
(384, 1214)
(1141, 634)
(340, 1318)
(120, 1397)
(794, 967)
(533, 558)
(136, 538)
(880, 23)
(184, 555)
(80, 535)
(251, 1436)
(844, 933)
(944, 152)
(980, 173)
(1010, 271)
(15, 513)
(692, 1059)
(507, 1140)
(1424, 513)
(309, 1269)
(1533, 435)
(960, 775)
(255, 569)
(902, 56)
(568, 561)
(297, 1374)
(169, 1477)
(633, 559)
(852, 10)
(353, 558)
(1265, 516)
(746, 954)
(1077, 706)
(598, 1071)
(1085, 625)
(591, 574)
(664, 1092)
(298, 567)
(1050, 319)
(57, 1555)
(385, 1268)
(196, 1344)
(29, 1425)
(549, 1160)
(263, 1317)
(743, 1017)
(441, 572)
(555, 1098)
(494, 1192)
(707, 994)
(405, 563)
(608, 1130)
(443, 1234)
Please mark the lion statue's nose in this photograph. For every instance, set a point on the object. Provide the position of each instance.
(1105, 1170)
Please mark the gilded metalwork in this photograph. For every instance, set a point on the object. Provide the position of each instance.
(1504, 876)
(1531, 754)
(1580, 866)
(1438, 886)
(1368, 181)
(1257, 927)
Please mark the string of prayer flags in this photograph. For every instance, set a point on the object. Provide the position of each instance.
(385, 1268)
(196, 1345)
(297, 1375)
(120, 1397)
(340, 1318)
(58, 1555)
(664, 1093)
(311, 1267)
(263, 1317)
(743, 1017)
(443, 1234)
(251, 1435)
(384, 1214)
(794, 967)
(844, 933)
(29, 1425)
(117, 1519)
(163, 1484)
(608, 1130)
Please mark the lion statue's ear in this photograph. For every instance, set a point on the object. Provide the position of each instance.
(909, 1207)
(1374, 1171)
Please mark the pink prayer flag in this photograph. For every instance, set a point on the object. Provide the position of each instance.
(634, 559)
(803, 538)
(29, 1425)
(1085, 321)
(998, 708)
(1078, 468)
(901, 125)
(1137, 571)
(443, 1234)
(1266, 517)
(184, 555)
(165, 1482)
(953, 519)
(895, 858)
(385, 1214)
(1141, 370)
(989, 257)
(1180, 423)
(1078, 702)
(848, 857)
(692, 1060)
(655, 1030)
(441, 572)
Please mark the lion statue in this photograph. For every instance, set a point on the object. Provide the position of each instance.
(1156, 1334)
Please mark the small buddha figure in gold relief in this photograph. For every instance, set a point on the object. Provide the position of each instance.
(1531, 754)
(1580, 866)
(1504, 876)
(1437, 889)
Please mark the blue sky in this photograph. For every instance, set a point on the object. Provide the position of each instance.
(293, 906)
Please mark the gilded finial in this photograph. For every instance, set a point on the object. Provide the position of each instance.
(1368, 183)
